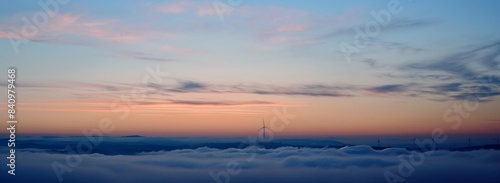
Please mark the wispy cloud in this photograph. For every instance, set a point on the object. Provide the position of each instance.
(288, 27)
(223, 103)
(73, 28)
(392, 26)
(142, 56)
(191, 85)
(175, 7)
(474, 72)
(198, 8)
(284, 164)
(390, 88)
(448, 87)
(466, 64)
(150, 106)
(305, 90)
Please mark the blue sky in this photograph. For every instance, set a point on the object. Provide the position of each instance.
(261, 53)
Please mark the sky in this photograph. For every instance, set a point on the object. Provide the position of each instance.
(218, 68)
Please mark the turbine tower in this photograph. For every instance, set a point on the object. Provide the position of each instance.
(264, 129)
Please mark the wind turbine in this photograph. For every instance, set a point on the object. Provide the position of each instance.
(264, 129)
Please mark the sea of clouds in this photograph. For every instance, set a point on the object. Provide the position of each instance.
(254, 164)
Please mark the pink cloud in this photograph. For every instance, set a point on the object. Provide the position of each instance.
(62, 20)
(63, 27)
(273, 24)
(286, 28)
(200, 8)
(291, 27)
(283, 26)
(177, 7)
(206, 11)
(272, 14)
(100, 29)
(4, 34)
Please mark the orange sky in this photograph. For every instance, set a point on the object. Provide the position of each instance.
(183, 69)
(330, 117)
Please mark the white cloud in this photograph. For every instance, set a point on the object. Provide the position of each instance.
(285, 164)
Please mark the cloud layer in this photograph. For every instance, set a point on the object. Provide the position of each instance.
(254, 164)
